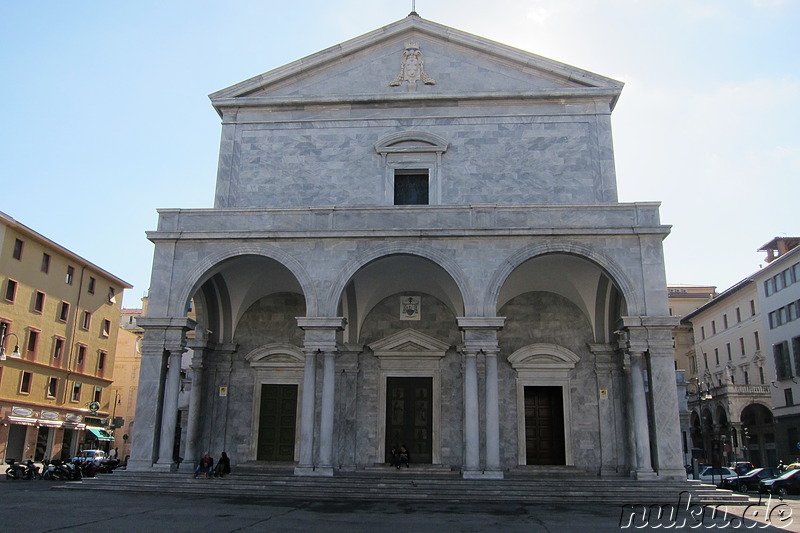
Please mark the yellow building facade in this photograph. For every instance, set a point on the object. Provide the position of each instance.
(59, 317)
(126, 378)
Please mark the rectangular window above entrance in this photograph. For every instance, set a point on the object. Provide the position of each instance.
(411, 187)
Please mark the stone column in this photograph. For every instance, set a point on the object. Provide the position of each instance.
(146, 431)
(169, 416)
(195, 401)
(663, 391)
(642, 469)
(308, 415)
(161, 334)
(480, 336)
(492, 417)
(607, 395)
(320, 336)
(327, 411)
(471, 429)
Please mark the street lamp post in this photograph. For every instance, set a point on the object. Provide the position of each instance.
(3, 335)
(703, 393)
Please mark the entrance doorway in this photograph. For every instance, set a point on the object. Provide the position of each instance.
(42, 443)
(277, 422)
(544, 426)
(15, 447)
(409, 417)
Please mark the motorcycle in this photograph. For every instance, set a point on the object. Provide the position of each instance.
(56, 471)
(75, 472)
(15, 470)
(31, 470)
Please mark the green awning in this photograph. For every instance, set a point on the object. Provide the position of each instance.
(100, 433)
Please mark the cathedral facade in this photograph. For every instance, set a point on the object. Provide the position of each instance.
(416, 241)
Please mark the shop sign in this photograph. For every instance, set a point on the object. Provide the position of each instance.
(21, 411)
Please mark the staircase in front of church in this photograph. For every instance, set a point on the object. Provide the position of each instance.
(418, 484)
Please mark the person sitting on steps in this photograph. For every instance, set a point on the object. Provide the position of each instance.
(404, 457)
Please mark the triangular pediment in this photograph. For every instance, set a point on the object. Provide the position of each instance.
(409, 342)
(447, 63)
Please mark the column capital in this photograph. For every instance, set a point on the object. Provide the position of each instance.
(166, 322)
(168, 333)
(475, 347)
(306, 323)
(495, 323)
(320, 333)
(601, 349)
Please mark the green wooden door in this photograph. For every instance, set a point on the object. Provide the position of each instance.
(409, 413)
(277, 421)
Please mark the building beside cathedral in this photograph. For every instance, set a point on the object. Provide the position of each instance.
(416, 240)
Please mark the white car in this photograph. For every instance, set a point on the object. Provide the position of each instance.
(709, 474)
(95, 456)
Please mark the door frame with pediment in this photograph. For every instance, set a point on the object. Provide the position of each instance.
(410, 353)
(275, 364)
(543, 365)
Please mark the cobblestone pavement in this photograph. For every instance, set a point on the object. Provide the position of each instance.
(39, 506)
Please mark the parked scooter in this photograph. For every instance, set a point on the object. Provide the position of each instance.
(31, 470)
(56, 471)
(75, 472)
(14, 470)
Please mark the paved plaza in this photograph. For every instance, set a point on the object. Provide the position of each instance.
(36, 506)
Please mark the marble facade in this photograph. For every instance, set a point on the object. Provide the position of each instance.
(520, 277)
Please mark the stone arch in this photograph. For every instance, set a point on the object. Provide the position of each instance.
(617, 274)
(196, 276)
(331, 302)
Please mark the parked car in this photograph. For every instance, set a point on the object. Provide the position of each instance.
(787, 483)
(90, 455)
(709, 474)
(750, 480)
(742, 467)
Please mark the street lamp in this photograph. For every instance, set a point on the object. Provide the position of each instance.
(703, 393)
(3, 336)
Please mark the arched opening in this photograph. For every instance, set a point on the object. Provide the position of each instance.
(568, 303)
(759, 435)
(401, 311)
(249, 348)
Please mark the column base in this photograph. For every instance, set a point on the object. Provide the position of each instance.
(165, 467)
(672, 473)
(608, 471)
(644, 475)
(482, 474)
(310, 471)
(187, 467)
(139, 465)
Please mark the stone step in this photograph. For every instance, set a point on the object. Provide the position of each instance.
(365, 486)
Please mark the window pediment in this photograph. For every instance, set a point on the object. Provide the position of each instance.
(411, 142)
(276, 356)
(543, 356)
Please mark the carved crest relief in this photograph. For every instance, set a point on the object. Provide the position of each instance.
(412, 68)
(409, 308)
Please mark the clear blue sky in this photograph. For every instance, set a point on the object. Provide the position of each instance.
(106, 115)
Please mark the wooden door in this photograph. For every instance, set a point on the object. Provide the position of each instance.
(544, 426)
(277, 422)
(409, 414)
